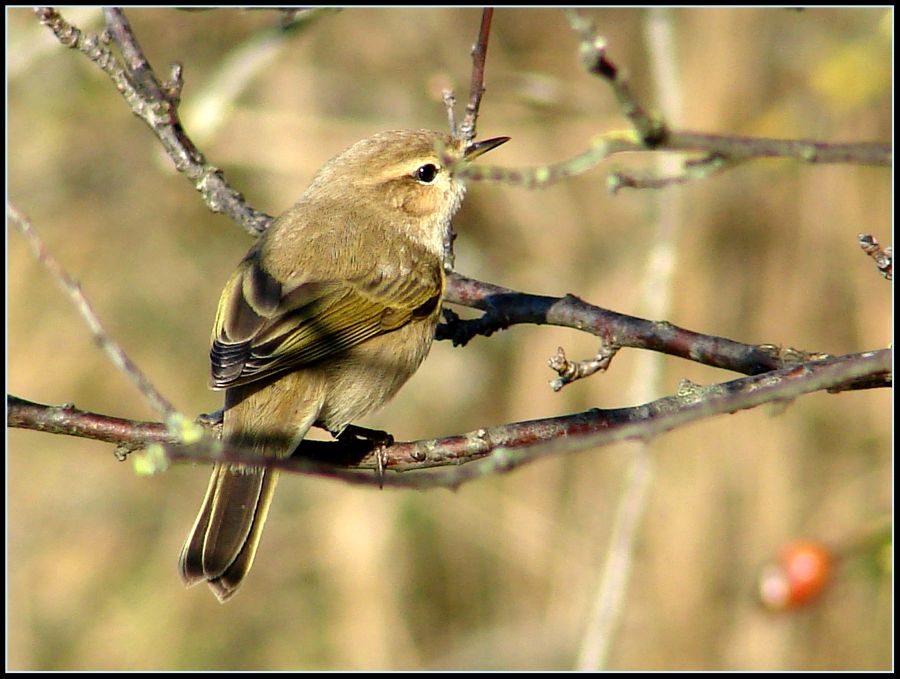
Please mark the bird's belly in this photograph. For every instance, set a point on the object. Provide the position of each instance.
(368, 375)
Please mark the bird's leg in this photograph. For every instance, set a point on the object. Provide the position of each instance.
(353, 432)
(380, 440)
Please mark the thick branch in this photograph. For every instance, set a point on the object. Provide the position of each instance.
(68, 420)
(489, 450)
(504, 308)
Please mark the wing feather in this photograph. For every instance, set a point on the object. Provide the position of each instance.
(264, 327)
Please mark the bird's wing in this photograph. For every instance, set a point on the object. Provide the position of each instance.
(264, 327)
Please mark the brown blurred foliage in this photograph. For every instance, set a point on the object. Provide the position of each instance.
(502, 573)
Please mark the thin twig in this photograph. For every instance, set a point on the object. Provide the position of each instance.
(657, 289)
(735, 148)
(570, 371)
(592, 49)
(651, 133)
(73, 289)
(466, 131)
(722, 152)
(71, 421)
(476, 86)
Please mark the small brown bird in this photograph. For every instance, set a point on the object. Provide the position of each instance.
(330, 312)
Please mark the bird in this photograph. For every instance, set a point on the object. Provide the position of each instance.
(330, 312)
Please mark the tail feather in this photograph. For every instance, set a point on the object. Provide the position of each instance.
(270, 417)
(223, 542)
(228, 582)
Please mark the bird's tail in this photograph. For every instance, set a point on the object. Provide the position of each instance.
(223, 542)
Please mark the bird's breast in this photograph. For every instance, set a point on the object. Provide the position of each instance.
(368, 375)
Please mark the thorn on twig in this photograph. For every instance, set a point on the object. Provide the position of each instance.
(884, 258)
(173, 86)
(449, 100)
(569, 371)
(123, 450)
(380, 464)
(788, 356)
(449, 255)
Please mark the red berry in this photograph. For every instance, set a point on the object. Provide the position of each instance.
(798, 578)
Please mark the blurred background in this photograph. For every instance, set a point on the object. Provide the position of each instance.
(501, 574)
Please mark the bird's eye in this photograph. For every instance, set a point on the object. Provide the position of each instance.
(426, 173)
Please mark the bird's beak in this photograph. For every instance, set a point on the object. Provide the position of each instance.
(476, 148)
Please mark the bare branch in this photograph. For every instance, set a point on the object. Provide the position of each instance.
(488, 450)
(466, 131)
(723, 152)
(504, 308)
(650, 133)
(157, 105)
(69, 420)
